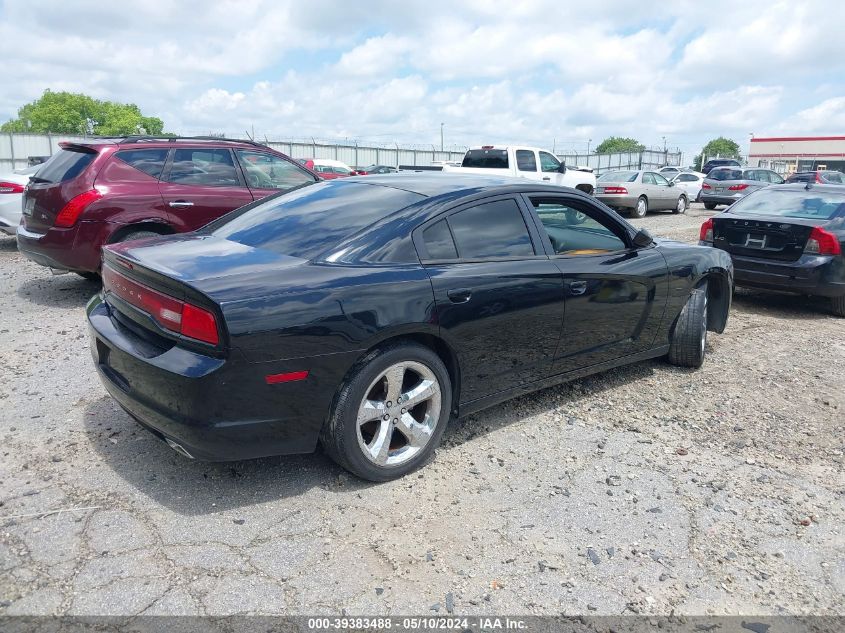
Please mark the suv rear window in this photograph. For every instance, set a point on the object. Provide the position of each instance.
(66, 164)
(149, 161)
(725, 174)
(486, 159)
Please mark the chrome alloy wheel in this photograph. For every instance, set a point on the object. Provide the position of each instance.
(399, 413)
(682, 204)
(642, 208)
(704, 323)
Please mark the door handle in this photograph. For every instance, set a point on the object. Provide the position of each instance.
(546, 178)
(577, 288)
(180, 203)
(459, 295)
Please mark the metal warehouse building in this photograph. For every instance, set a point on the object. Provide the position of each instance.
(789, 154)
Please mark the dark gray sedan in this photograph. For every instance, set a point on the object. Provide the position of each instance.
(726, 185)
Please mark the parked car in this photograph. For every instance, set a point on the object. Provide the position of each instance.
(366, 312)
(820, 176)
(726, 185)
(636, 192)
(690, 182)
(376, 169)
(523, 162)
(670, 171)
(788, 238)
(719, 162)
(328, 169)
(11, 192)
(107, 191)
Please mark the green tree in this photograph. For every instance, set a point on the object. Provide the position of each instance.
(721, 147)
(619, 144)
(75, 113)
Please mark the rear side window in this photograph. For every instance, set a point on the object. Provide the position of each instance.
(438, 241)
(203, 166)
(494, 229)
(525, 160)
(486, 159)
(687, 178)
(149, 161)
(65, 165)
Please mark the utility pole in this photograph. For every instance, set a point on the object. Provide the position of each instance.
(664, 143)
(589, 140)
(441, 137)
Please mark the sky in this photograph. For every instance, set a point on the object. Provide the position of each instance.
(562, 74)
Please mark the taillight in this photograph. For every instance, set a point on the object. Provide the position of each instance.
(72, 210)
(10, 187)
(615, 190)
(822, 242)
(170, 313)
(704, 185)
(819, 178)
(737, 187)
(706, 232)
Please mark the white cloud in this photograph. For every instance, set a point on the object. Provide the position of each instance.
(828, 117)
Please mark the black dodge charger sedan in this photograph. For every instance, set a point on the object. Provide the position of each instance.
(365, 312)
(786, 238)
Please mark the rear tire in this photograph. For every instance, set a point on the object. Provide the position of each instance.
(689, 338)
(89, 276)
(642, 207)
(837, 305)
(709, 206)
(359, 438)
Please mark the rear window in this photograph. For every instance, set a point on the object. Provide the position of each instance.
(149, 161)
(308, 221)
(725, 174)
(486, 159)
(619, 176)
(66, 164)
(777, 202)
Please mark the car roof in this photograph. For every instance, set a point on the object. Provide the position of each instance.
(431, 184)
(162, 141)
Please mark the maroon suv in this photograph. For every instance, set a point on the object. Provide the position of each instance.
(90, 194)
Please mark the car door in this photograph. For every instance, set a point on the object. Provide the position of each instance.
(665, 196)
(550, 168)
(526, 164)
(499, 299)
(615, 293)
(267, 173)
(200, 184)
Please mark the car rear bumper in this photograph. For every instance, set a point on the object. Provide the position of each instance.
(618, 201)
(821, 275)
(76, 248)
(216, 409)
(709, 198)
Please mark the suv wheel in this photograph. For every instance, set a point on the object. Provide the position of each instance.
(390, 415)
(709, 205)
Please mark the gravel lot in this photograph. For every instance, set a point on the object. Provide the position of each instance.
(649, 488)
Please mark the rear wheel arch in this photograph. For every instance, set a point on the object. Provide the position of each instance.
(153, 227)
(588, 189)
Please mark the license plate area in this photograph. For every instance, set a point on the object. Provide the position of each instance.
(29, 206)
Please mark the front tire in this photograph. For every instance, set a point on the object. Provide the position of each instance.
(390, 414)
(682, 205)
(642, 207)
(689, 338)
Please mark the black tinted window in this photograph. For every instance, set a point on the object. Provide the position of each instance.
(686, 178)
(495, 229)
(525, 160)
(725, 174)
(64, 165)
(201, 166)
(310, 220)
(438, 241)
(149, 161)
(486, 158)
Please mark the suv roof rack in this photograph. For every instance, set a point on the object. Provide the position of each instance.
(173, 139)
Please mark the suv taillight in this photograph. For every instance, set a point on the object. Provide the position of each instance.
(170, 313)
(737, 187)
(706, 232)
(68, 216)
(822, 242)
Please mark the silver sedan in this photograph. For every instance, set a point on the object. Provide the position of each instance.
(638, 192)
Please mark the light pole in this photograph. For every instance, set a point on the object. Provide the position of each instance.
(589, 140)
(441, 137)
(664, 143)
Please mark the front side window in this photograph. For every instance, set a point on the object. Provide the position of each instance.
(491, 230)
(203, 166)
(265, 171)
(525, 160)
(574, 233)
(548, 162)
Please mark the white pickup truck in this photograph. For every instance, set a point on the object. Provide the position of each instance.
(524, 162)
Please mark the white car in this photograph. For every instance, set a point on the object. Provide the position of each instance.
(11, 193)
(690, 181)
(328, 168)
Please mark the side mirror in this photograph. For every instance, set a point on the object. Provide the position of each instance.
(671, 183)
(562, 168)
(643, 238)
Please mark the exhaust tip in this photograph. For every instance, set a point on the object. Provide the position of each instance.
(59, 271)
(178, 448)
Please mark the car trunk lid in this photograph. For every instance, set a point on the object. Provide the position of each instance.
(65, 176)
(764, 237)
